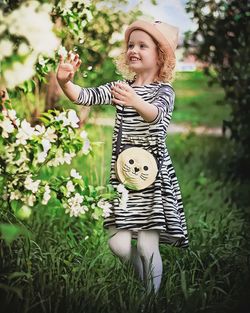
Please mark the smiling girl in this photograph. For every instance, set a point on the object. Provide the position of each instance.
(144, 105)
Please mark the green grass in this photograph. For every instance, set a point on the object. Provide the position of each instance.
(196, 102)
(68, 267)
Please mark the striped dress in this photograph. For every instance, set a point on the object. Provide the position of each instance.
(160, 205)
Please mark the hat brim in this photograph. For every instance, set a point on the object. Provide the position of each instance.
(153, 32)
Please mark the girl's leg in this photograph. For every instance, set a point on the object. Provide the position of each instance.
(137, 262)
(148, 249)
(120, 244)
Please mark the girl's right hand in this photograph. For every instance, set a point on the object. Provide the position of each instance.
(67, 68)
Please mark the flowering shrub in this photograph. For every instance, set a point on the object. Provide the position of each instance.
(21, 46)
(26, 149)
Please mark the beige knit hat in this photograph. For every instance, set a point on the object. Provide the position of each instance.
(165, 34)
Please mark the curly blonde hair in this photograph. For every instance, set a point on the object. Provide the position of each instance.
(166, 64)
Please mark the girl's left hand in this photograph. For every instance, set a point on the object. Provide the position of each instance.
(124, 94)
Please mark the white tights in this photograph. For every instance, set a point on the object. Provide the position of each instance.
(145, 258)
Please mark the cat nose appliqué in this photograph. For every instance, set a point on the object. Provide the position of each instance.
(136, 169)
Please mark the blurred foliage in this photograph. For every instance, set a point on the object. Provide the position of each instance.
(221, 41)
(90, 28)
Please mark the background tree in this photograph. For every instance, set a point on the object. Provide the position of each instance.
(84, 26)
(221, 41)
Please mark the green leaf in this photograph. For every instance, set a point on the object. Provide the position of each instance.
(10, 232)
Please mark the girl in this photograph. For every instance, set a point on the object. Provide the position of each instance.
(144, 104)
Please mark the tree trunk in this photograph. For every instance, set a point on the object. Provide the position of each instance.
(83, 115)
(53, 92)
(3, 95)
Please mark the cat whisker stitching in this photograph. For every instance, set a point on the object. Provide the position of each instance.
(126, 169)
(143, 178)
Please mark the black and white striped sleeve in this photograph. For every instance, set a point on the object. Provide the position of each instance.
(95, 95)
(164, 101)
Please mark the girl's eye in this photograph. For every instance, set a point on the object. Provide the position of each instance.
(143, 46)
(130, 46)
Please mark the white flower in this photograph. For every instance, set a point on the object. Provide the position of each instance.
(46, 195)
(29, 199)
(84, 134)
(75, 174)
(46, 144)
(74, 207)
(6, 48)
(41, 60)
(29, 184)
(68, 157)
(59, 159)
(95, 216)
(41, 157)
(62, 51)
(86, 147)
(124, 197)
(12, 114)
(23, 49)
(38, 18)
(19, 72)
(50, 134)
(24, 133)
(62, 117)
(15, 195)
(7, 127)
(105, 206)
(39, 130)
(70, 186)
(121, 188)
(73, 118)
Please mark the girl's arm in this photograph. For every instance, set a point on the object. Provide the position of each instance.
(71, 90)
(78, 95)
(150, 112)
(65, 73)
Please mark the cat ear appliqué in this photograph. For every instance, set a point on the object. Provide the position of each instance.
(136, 168)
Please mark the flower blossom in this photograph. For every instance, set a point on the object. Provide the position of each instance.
(70, 120)
(29, 184)
(24, 133)
(70, 188)
(74, 207)
(46, 195)
(75, 174)
(124, 197)
(7, 127)
(105, 205)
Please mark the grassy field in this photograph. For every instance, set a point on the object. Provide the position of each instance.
(67, 266)
(196, 103)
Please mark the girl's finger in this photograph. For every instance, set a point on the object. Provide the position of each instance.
(117, 101)
(119, 90)
(76, 57)
(123, 86)
(78, 64)
(60, 59)
(70, 56)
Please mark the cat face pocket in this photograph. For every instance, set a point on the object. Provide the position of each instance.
(136, 168)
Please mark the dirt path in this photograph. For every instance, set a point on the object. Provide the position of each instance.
(172, 129)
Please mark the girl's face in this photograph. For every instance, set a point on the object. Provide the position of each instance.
(142, 53)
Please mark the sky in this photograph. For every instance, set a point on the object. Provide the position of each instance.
(169, 11)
